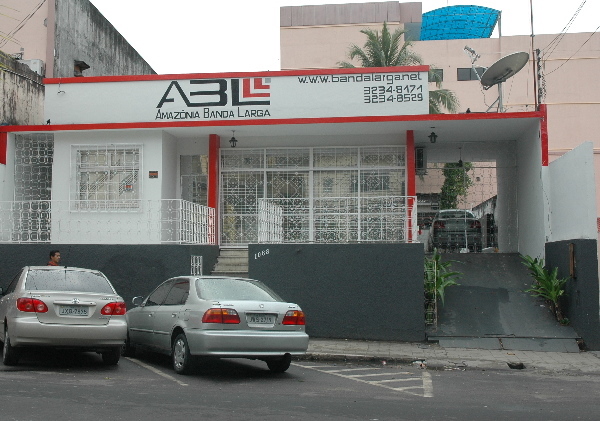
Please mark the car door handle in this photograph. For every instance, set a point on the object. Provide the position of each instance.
(173, 314)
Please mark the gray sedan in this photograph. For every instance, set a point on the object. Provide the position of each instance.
(62, 307)
(222, 317)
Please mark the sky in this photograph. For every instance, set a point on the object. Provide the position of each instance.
(202, 36)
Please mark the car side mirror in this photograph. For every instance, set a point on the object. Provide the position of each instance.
(137, 301)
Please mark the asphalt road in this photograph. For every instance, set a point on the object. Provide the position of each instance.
(67, 386)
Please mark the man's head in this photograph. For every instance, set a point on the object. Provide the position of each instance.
(55, 256)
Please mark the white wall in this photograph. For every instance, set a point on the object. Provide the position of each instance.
(140, 225)
(169, 170)
(573, 195)
(531, 196)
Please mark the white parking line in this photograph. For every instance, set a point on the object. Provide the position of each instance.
(426, 383)
(156, 371)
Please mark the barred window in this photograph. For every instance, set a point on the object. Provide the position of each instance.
(108, 173)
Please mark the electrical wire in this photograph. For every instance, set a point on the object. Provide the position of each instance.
(20, 26)
(580, 47)
(549, 49)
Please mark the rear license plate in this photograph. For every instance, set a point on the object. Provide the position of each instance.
(260, 319)
(73, 311)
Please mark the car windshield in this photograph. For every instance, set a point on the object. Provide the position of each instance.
(234, 289)
(456, 214)
(67, 280)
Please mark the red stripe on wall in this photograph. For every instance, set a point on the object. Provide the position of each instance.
(270, 122)
(411, 179)
(137, 78)
(544, 134)
(214, 144)
(3, 147)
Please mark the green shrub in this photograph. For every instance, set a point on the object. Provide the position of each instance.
(546, 284)
(438, 276)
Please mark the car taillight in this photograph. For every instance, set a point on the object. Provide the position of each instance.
(221, 315)
(31, 305)
(114, 309)
(475, 224)
(294, 317)
(439, 225)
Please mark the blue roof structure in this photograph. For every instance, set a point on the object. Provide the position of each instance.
(459, 22)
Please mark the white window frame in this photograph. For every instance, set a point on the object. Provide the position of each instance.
(121, 190)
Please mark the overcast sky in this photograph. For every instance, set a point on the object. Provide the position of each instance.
(200, 36)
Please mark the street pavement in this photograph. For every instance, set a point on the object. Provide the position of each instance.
(434, 356)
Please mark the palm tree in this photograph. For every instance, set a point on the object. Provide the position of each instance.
(388, 50)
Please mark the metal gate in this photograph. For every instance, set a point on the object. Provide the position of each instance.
(336, 178)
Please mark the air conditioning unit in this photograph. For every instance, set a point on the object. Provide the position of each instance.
(36, 65)
(421, 160)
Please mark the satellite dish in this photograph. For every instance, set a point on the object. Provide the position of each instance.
(504, 68)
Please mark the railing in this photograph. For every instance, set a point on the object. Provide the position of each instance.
(388, 219)
(107, 222)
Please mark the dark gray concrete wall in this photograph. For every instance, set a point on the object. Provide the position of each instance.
(82, 33)
(132, 269)
(353, 291)
(581, 301)
(21, 93)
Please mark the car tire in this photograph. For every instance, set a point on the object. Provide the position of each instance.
(180, 352)
(10, 355)
(128, 350)
(112, 356)
(280, 365)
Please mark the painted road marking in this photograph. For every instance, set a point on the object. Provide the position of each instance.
(424, 387)
(157, 371)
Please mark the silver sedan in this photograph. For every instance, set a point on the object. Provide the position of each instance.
(62, 307)
(222, 317)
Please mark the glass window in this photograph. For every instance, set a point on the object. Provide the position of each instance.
(159, 294)
(13, 284)
(179, 293)
(436, 75)
(67, 280)
(194, 178)
(468, 73)
(234, 289)
(107, 173)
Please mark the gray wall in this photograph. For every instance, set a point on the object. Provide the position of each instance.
(132, 269)
(21, 93)
(82, 33)
(581, 303)
(353, 291)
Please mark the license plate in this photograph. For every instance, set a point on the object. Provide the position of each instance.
(260, 319)
(73, 311)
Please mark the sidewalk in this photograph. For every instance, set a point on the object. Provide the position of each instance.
(433, 356)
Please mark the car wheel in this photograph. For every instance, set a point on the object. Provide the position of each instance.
(280, 365)
(182, 359)
(128, 350)
(111, 357)
(10, 355)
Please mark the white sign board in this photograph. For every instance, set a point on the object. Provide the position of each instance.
(310, 94)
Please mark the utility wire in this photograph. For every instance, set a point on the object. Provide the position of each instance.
(567, 60)
(20, 25)
(554, 43)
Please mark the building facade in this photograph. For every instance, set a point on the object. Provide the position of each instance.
(314, 37)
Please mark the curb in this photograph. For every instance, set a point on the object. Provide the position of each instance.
(436, 364)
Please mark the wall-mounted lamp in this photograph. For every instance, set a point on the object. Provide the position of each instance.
(432, 137)
(233, 140)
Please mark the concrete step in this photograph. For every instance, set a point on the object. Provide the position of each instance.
(232, 262)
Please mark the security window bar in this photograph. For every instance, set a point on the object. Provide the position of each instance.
(107, 176)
